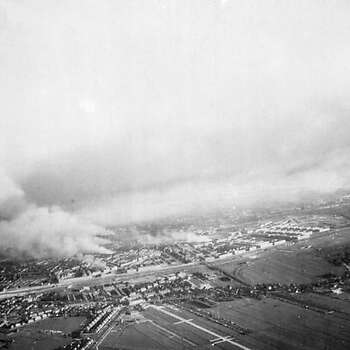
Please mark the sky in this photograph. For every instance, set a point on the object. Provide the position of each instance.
(123, 111)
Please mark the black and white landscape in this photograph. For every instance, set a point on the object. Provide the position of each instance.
(174, 174)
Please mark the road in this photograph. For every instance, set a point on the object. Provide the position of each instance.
(107, 329)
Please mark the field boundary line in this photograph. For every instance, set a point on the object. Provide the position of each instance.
(200, 327)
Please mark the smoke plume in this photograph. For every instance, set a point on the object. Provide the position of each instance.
(34, 231)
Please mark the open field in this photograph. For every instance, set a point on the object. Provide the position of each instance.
(64, 324)
(286, 267)
(329, 303)
(145, 335)
(299, 263)
(279, 325)
(32, 342)
(38, 336)
(164, 327)
(270, 324)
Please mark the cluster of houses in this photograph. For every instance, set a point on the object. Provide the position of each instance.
(19, 311)
(102, 318)
(222, 243)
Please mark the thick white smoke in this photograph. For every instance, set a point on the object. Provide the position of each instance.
(34, 231)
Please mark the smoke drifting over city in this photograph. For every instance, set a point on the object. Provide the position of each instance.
(122, 112)
(43, 231)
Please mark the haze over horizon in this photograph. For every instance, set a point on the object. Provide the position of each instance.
(118, 112)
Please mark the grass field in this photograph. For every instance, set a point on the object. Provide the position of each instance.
(138, 336)
(287, 267)
(64, 324)
(299, 263)
(165, 329)
(272, 324)
(36, 337)
(279, 325)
